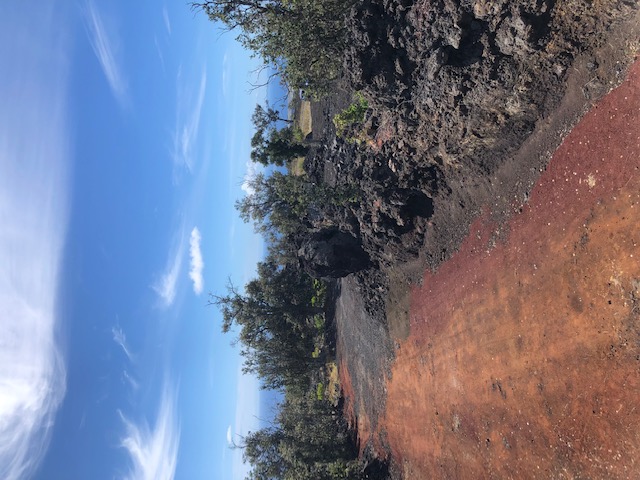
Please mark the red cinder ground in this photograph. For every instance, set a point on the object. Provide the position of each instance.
(523, 359)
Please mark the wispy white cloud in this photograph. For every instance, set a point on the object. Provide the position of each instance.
(167, 21)
(197, 264)
(105, 48)
(128, 378)
(34, 164)
(229, 437)
(166, 285)
(160, 54)
(250, 173)
(188, 113)
(121, 339)
(83, 420)
(153, 452)
(225, 74)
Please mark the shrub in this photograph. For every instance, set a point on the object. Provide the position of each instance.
(351, 116)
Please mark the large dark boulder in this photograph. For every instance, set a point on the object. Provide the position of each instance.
(332, 253)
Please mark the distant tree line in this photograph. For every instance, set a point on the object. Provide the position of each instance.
(304, 40)
(307, 442)
(279, 316)
(275, 318)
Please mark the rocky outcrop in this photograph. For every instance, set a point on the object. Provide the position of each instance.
(332, 253)
(456, 87)
(468, 80)
(392, 206)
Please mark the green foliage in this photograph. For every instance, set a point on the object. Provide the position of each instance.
(305, 45)
(320, 293)
(276, 147)
(320, 391)
(298, 135)
(308, 442)
(273, 146)
(284, 204)
(351, 116)
(266, 117)
(273, 314)
(280, 321)
(303, 39)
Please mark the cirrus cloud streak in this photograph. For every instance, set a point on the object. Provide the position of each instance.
(166, 286)
(104, 47)
(34, 163)
(188, 114)
(197, 264)
(153, 452)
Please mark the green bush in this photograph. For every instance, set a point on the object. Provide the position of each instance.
(318, 321)
(351, 116)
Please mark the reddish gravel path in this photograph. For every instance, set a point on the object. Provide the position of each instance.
(524, 359)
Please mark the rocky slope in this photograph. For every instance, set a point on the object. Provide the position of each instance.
(457, 88)
(469, 101)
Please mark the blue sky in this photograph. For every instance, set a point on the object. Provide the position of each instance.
(124, 141)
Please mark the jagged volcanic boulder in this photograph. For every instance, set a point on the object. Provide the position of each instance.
(332, 253)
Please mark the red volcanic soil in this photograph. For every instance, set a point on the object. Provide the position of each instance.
(523, 359)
